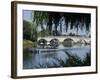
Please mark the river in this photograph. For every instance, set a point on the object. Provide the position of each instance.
(50, 58)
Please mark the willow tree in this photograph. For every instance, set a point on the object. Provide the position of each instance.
(55, 17)
(40, 18)
(27, 30)
(76, 19)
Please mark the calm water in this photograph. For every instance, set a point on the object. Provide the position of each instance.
(45, 58)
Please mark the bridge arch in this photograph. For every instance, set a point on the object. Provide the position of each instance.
(54, 42)
(82, 41)
(68, 42)
(42, 42)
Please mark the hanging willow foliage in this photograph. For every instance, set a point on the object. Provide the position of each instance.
(41, 17)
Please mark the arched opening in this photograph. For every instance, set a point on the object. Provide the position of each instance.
(42, 43)
(82, 41)
(54, 43)
(68, 42)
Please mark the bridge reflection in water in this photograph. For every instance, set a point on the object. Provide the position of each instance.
(53, 58)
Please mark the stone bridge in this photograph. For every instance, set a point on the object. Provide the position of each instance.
(62, 38)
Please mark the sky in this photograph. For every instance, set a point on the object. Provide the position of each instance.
(27, 15)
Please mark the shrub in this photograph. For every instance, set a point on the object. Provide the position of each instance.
(29, 44)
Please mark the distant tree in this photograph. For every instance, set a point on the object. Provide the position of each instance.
(29, 31)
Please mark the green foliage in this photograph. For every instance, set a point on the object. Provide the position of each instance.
(29, 44)
(48, 32)
(41, 17)
(29, 31)
(34, 33)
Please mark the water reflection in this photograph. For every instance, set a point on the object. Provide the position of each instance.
(50, 58)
